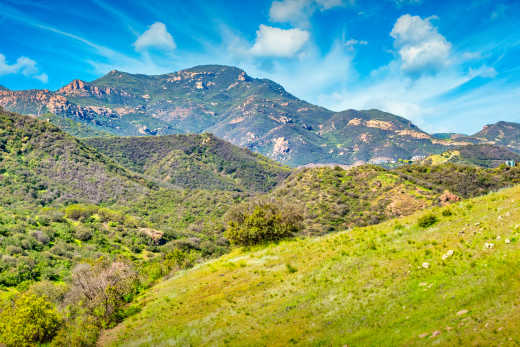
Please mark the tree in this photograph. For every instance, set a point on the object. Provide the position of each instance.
(27, 320)
(261, 222)
(103, 288)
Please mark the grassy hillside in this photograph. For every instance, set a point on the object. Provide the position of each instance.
(452, 283)
(193, 161)
(40, 163)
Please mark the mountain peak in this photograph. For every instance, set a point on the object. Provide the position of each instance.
(3, 88)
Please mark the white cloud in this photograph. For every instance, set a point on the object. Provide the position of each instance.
(42, 77)
(23, 65)
(298, 12)
(353, 42)
(157, 36)
(276, 42)
(422, 49)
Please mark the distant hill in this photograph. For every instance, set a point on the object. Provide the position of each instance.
(484, 155)
(193, 161)
(254, 113)
(400, 283)
(501, 133)
(41, 163)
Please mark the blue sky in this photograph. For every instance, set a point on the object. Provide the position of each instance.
(446, 65)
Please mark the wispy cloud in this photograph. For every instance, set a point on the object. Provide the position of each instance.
(24, 66)
(298, 12)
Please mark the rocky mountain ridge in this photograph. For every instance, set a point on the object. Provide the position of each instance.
(254, 113)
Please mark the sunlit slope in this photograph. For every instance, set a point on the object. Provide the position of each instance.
(387, 284)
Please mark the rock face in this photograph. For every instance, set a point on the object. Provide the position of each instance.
(254, 113)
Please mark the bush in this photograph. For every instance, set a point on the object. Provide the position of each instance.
(427, 221)
(80, 330)
(78, 212)
(261, 222)
(447, 213)
(28, 320)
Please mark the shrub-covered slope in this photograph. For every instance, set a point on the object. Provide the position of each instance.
(193, 161)
(462, 180)
(335, 199)
(452, 283)
(39, 162)
(331, 199)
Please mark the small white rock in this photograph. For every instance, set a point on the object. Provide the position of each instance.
(489, 245)
(447, 255)
(508, 241)
(425, 265)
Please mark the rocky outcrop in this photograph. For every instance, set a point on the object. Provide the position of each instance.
(448, 197)
(78, 88)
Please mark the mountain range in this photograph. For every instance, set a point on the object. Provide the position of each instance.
(253, 113)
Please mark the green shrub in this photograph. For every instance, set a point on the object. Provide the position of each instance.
(447, 212)
(291, 269)
(78, 211)
(262, 222)
(82, 331)
(28, 320)
(427, 221)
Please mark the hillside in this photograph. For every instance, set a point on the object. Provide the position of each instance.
(452, 283)
(76, 129)
(464, 181)
(193, 161)
(501, 133)
(336, 199)
(254, 113)
(40, 163)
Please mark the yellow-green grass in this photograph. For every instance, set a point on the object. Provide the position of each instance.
(438, 159)
(361, 287)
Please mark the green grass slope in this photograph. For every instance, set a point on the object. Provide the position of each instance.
(453, 283)
(194, 161)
